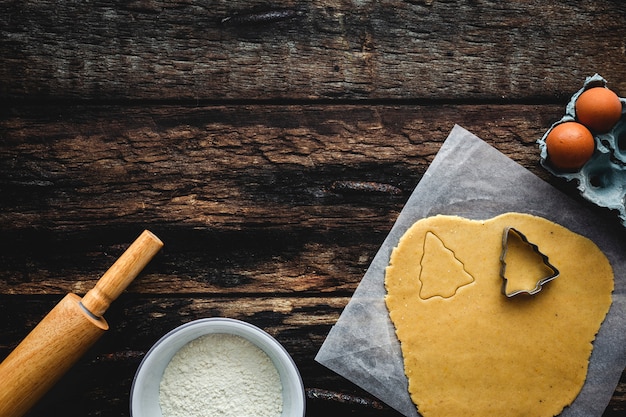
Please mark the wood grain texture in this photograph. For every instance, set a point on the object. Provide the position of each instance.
(393, 49)
(270, 145)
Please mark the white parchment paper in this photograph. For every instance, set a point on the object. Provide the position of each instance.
(470, 178)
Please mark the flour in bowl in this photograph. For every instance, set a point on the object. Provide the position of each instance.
(221, 375)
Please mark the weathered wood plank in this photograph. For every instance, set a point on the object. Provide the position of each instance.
(395, 49)
(252, 200)
(291, 262)
(223, 166)
(140, 321)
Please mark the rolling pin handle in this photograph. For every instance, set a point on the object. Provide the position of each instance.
(67, 332)
(121, 273)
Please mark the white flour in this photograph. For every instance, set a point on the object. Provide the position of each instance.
(220, 375)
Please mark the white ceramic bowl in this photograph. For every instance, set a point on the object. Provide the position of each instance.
(144, 396)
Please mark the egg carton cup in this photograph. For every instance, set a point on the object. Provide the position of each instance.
(602, 180)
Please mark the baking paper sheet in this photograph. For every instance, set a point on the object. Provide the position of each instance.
(471, 179)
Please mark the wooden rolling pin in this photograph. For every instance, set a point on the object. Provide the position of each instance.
(67, 332)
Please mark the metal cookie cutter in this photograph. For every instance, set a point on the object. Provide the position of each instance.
(505, 238)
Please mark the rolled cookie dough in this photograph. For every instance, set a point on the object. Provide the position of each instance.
(470, 351)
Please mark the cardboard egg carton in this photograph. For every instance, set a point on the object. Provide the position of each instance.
(602, 180)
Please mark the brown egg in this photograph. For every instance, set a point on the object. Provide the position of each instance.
(569, 145)
(599, 109)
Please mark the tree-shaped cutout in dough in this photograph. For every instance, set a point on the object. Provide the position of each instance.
(441, 272)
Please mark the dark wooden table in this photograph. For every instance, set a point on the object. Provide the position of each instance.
(270, 145)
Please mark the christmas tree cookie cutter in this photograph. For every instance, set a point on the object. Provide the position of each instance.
(553, 271)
